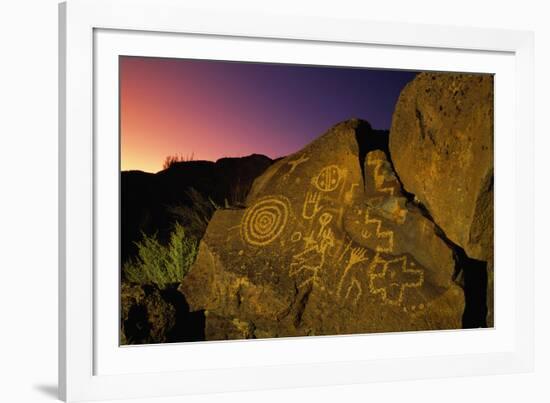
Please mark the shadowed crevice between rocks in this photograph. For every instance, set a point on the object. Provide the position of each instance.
(474, 278)
(369, 139)
(189, 325)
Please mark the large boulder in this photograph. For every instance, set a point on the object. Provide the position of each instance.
(327, 244)
(441, 143)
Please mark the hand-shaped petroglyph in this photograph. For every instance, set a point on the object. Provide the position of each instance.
(311, 205)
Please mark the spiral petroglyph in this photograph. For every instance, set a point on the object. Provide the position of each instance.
(265, 220)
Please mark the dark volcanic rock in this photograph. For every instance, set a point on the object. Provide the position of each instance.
(145, 316)
(328, 244)
(150, 315)
(441, 143)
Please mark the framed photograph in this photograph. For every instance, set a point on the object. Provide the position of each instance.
(258, 201)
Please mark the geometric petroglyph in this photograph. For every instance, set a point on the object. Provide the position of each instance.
(375, 228)
(379, 178)
(265, 220)
(329, 178)
(391, 278)
(296, 236)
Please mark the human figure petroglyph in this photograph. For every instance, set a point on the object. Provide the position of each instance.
(264, 221)
(312, 258)
(324, 220)
(391, 278)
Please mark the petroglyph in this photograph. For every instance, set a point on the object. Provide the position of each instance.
(324, 220)
(264, 221)
(294, 163)
(376, 225)
(329, 178)
(311, 205)
(312, 258)
(348, 196)
(359, 291)
(357, 255)
(391, 278)
(379, 178)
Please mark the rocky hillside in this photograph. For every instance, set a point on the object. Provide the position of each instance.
(146, 199)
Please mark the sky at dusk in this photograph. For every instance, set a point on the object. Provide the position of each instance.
(214, 109)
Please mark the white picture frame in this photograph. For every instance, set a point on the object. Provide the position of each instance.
(92, 365)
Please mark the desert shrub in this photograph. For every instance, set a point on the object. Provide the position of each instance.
(174, 159)
(159, 264)
(237, 194)
(196, 215)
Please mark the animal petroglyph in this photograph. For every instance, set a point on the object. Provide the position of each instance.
(294, 163)
(375, 228)
(390, 278)
(312, 258)
(329, 178)
(357, 255)
(264, 221)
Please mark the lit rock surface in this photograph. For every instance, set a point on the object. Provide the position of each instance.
(327, 244)
(441, 143)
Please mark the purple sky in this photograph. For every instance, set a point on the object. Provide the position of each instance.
(216, 109)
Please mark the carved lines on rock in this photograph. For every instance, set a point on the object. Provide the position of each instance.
(264, 221)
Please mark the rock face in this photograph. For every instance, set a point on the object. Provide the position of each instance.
(441, 143)
(327, 244)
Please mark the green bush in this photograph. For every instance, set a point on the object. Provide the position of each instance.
(162, 265)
